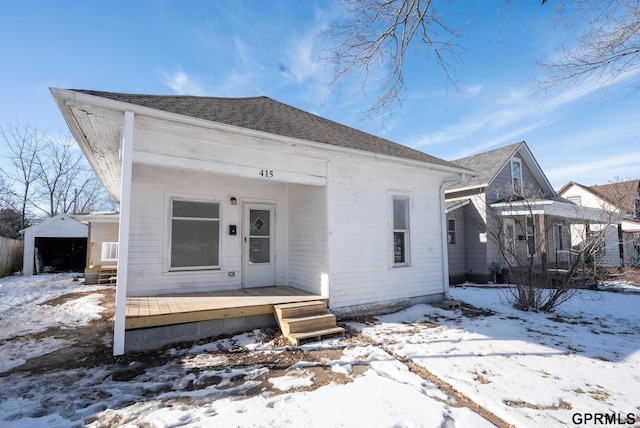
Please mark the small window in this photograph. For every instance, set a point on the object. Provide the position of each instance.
(574, 199)
(195, 235)
(451, 231)
(516, 175)
(109, 252)
(400, 231)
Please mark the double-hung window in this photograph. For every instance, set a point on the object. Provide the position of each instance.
(451, 231)
(400, 231)
(109, 252)
(195, 235)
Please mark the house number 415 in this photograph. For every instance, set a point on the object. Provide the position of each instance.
(266, 173)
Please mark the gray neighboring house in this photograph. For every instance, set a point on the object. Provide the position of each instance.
(474, 205)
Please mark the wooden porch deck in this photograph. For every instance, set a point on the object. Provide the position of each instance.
(154, 311)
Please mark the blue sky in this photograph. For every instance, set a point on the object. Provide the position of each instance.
(238, 48)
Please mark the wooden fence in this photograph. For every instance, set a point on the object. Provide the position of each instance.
(10, 256)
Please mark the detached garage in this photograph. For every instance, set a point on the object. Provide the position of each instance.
(57, 244)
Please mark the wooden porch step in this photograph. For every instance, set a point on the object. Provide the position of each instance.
(291, 310)
(303, 320)
(318, 333)
(107, 275)
(309, 322)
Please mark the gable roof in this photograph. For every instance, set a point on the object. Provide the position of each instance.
(487, 165)
(622, 195)
(60, 225)
(267, 115)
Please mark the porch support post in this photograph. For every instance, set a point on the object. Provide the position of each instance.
(126, 151)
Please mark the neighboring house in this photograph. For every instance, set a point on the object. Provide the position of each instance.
(223, 194)
(57, 244)
(622, 199)
(102, 249)
(507, 210)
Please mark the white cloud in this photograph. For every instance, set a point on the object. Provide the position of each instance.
(182, 84)
(600, 170)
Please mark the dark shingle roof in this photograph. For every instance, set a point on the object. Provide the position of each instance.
(622, 194)
(486, 165)
(267, 115)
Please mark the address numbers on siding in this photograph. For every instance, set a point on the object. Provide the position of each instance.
(266, 173)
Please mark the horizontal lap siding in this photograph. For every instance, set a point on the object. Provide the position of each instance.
(101, 232)
(361, 232)
(457, 258)
(149, 225)
(307, 237)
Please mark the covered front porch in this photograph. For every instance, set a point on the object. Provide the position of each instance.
(157, 311)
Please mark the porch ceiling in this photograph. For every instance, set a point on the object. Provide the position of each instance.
(569, 211)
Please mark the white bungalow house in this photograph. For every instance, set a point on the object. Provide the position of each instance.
(507, 216)
(225, 196)
(622, 199)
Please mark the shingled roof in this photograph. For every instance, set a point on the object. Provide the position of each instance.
(622, 194)
(486, 165)
(267, 115)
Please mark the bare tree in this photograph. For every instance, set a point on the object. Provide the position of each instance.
(47, 174)
(608, 45)
(376, 35)
(21, 173)
(545, 258)
(64, 175)
(373, 39)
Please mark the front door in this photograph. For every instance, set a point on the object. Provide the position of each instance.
(259, 268)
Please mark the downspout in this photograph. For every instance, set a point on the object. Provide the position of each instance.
(443, 221)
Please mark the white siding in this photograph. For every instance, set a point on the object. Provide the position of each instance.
(152, 189)
(610, 255)
(307, 238)
(361, 228)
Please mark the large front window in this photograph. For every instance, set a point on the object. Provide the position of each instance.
(195, 234)
(400, 231)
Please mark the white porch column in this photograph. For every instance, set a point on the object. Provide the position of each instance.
(126, 154)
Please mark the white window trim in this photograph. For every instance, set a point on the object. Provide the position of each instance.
(107, 248)
(452, 232)
(407, 232)
(510, 248)
(168, 246)
(513, 177)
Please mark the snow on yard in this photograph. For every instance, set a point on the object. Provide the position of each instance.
(23, 312)
(530, 369)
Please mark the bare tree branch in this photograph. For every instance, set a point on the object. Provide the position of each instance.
(607, 48)
(376, 35)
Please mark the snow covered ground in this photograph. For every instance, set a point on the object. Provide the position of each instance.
(529, 369)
